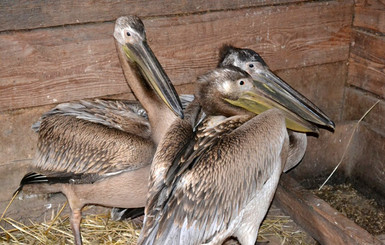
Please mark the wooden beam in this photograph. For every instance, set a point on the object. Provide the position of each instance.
(319, 219)
(370, 14)
(48, 66)
(25, 14)
(367, 62)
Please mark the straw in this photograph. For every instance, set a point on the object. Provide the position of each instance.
(347, 146)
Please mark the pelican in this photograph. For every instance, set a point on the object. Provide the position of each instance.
(91, 163)
(251, 62)
(218, 180)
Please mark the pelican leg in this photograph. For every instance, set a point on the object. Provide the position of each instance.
(76, 206)
(75, 219)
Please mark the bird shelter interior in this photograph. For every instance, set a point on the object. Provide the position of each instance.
(333, 52)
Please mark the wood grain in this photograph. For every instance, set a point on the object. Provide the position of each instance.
(73, 62)
(322, 84)
(367, 63)
(319, 219)
(25, 14)
(54, 65)
(369, 169)
(323, 153)
(370, 14)
(358, 102)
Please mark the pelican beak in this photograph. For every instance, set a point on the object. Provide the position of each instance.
(150, 68)
(270, 91)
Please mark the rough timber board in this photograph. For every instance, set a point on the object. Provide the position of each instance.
(319, 219)
(322, 84)
(369, 169)
(367, 62)
(54, 65)
(358, 102)
(75, 62)
(370, 14)
(323, 153)
(24, 14)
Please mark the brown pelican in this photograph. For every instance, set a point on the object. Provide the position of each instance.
(251, 62)
(218, 180)
(94, 164)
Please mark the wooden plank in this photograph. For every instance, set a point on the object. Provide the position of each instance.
(17, 139)
(324, 152)
(358, 102)
(324, 85)
(24, 14)
(279, 34)
(319, 219)
(73, 62)
(367, 63)
(55, 65)
(370, 14)
(369, 169)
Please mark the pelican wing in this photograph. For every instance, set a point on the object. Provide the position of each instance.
(214, 181)
(125, 115)
(94, 138)
(71, 146)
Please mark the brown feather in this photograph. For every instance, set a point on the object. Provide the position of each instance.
(201, 185)
(89, 148)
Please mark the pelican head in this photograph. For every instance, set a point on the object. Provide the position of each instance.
(130, 36)
(231, 91)
(273, 87)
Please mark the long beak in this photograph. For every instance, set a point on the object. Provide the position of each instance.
(270, 91)
(152, 71)
(275, 87)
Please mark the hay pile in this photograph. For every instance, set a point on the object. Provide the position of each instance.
(96, 229)
(363, 211)
(100, 229)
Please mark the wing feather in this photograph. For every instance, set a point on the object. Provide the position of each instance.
(70, 145)
(125, 115)
(229, 163)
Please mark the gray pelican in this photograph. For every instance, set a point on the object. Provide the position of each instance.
(218, 180)
(94, 164)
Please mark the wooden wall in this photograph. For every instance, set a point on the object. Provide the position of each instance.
(62, 51)
(366, 85)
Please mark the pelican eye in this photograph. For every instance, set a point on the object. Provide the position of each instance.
(251, 65)
(241, 82)
(128, 34)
